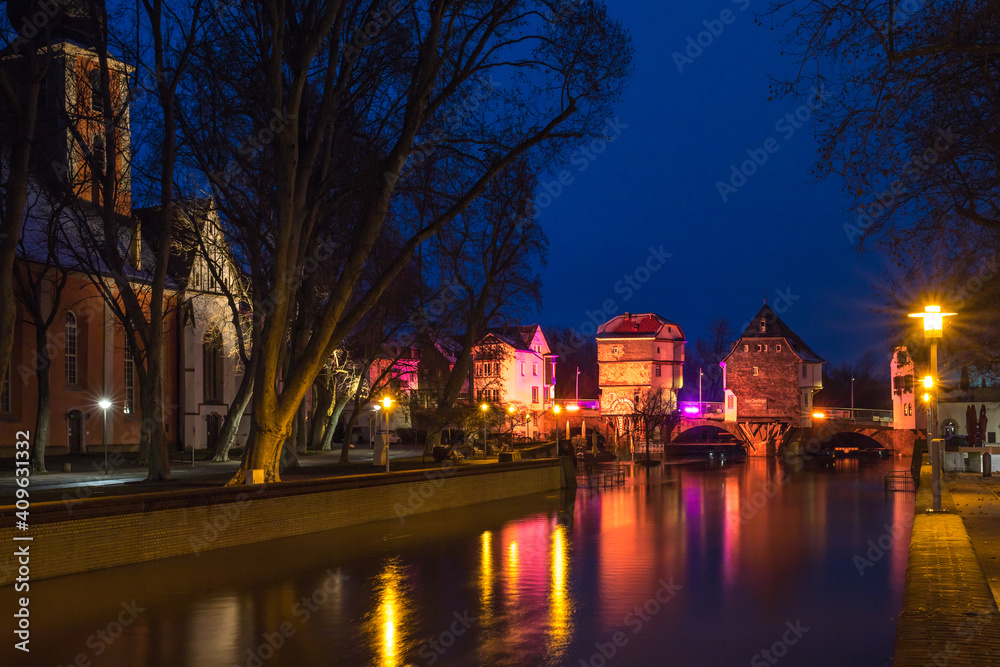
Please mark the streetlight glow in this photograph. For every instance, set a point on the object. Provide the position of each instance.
(928, 382)
(933, 321)
(819, 415)
(485, 407)
(556, 409)
(104, 404)
(387, 402)
(572, 407)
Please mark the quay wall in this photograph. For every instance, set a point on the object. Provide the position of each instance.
(96, 533)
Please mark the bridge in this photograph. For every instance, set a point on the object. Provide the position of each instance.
(769, 437)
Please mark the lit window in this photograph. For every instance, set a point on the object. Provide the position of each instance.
(534, 369)
(658, 373)
(522, 369)
(534, 394)
(5, 393)
(758, 347)
(614, 350)
(746, 347)
(763, 325)
(756, 371)
(129, 379)
(777, 348)
(765, 347)
(71, 336)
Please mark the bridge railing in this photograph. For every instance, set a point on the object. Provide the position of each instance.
(857, 414)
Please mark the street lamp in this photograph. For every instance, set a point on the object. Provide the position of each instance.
(700, 374)
(578, 383)
(485, 407)
(556, 409)
(104, 404)
(373, 426)
(386, 403)
(852, 398)
(933, 330)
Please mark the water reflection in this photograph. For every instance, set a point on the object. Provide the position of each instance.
(531, 581)
(390, 615)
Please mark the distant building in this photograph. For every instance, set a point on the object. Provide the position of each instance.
(908, 411)
(515, 365)
(635, 352)
(771, 373)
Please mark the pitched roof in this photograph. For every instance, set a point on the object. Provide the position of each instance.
(774, 327)
(639, 325)
(517, 337)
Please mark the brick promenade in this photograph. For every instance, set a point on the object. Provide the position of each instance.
(950, 616)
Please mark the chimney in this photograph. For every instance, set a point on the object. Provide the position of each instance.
(628, 316)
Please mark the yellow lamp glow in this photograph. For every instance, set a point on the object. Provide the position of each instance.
(927, 398)
(819, 415)
(572, 407)
(510, 409)
(485, 407)
(928, 382)
(933, 321)
(387, 402)
(556, 409)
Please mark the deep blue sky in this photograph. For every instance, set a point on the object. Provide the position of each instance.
(656, 185)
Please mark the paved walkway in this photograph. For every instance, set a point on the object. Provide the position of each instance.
(949, 616)
(977, 501)
(89, 479)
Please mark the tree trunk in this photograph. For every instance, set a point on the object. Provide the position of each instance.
(151, 399)
(333, 420)
(348, 430)
(43, 416)
(321, 414)
(227, 435)
(301, 430)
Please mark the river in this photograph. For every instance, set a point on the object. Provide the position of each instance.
(748, 563)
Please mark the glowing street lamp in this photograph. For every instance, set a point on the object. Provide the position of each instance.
(386, 403)
(557, 409)
(933, 330)
(485, 407)
(819, 415)
(104, 404)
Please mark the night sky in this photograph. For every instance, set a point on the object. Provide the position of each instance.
(780, 235)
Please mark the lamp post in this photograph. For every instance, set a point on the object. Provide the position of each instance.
(485, 407)
(852, 398)
(373, 426)
(933, 330)
(556, 409)
(386, 403)
(104, 404)
(700, 374)
(577, 383)
(511, 410)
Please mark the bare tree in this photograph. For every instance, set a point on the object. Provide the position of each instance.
(353, 125)
(654, 414)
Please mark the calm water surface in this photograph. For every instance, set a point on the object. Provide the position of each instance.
(684, 565)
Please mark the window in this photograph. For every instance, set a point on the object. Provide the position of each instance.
(765, 347)
(496, 394)
(777, 348)
(71, 340)
(614, 350)
(756, 371)
(538, 349)
(805, 371)
(746, 347)
(96, 99)
(657, 349)
(5, 393)
(658, 372)
(534, 394)
(212, 365)
(522, 369)
(991, 437)
(129, 407)
(534, 369)
(763, 325)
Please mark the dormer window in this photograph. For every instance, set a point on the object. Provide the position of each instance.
(763, 325)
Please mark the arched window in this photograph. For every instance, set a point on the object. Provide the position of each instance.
(129, 407)
(212, 360)
(71, 349)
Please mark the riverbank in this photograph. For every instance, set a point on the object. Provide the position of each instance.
(949, 615)
(81, 534)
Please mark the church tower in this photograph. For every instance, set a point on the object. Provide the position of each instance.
(82, 130)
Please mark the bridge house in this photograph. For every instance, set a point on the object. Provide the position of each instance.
(771, 375)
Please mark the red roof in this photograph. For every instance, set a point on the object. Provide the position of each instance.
(635, 324)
